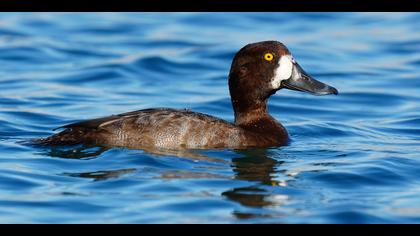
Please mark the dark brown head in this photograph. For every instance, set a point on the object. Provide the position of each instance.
(260, 69)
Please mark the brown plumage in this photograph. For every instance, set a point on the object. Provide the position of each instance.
(166, 128)
(253, 78)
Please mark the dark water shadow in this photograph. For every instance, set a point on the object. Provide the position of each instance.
(82, 152)
(259, 168)
(89, 152)
(102, 175)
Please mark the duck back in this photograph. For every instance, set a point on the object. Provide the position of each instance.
(157, 128)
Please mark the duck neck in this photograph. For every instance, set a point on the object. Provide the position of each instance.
(248, 112)
(250, 104)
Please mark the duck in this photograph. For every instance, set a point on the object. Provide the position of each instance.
(257, 72)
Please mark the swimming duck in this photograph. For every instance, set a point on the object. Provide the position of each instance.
(258, 71)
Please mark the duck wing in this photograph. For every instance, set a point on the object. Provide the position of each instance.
(159, 127)
(101, 122)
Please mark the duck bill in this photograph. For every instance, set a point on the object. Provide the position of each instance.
(302, 81)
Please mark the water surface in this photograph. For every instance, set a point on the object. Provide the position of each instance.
(354, 158)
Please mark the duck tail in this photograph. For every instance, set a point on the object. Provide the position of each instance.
(66, 137)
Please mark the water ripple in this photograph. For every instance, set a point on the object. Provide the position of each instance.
(353, 157)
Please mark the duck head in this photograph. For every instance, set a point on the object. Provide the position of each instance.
(261, 69)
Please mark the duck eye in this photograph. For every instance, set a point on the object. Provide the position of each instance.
(268, 56)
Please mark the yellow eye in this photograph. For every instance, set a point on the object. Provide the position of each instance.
(268, 57)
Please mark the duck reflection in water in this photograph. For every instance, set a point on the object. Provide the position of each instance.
(256, 166)
(87, 152)
(82, 152)
(260, 169)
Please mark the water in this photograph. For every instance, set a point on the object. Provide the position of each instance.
(354, 158)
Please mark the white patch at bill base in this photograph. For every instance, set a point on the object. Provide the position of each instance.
(283, 71)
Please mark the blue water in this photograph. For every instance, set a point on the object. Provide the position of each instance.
(354, 158)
